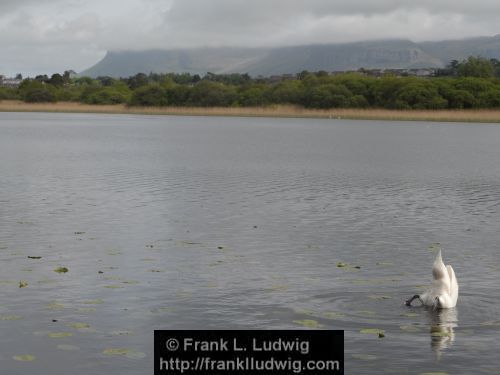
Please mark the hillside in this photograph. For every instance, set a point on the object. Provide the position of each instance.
(269, 61)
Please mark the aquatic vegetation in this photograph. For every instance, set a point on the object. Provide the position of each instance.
(308, 323)
(129, 353)
(115, 351)
(384, 264)
(24, 358)
(78, 325)
(347, 266)
(59, 335)
(93, 302)
(10, 317)
(332, 315)
(23, 284)
(278, 287)
(490, 323)
(441, 334)
(409, 328)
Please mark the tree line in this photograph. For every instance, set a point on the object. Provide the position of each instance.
(472, 83)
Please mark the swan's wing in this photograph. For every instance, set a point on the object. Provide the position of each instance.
(453, 281)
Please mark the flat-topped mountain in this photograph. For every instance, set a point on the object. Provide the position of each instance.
(383, 54)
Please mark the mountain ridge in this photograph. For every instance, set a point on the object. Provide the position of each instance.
(375, 54)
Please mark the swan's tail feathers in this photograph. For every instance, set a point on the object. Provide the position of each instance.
(453, 284)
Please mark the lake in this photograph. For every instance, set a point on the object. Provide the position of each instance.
(242, 223)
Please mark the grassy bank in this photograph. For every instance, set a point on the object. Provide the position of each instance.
(484, 115)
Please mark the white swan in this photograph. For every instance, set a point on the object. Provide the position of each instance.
(443, 293)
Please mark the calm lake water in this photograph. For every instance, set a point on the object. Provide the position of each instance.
(240, 223)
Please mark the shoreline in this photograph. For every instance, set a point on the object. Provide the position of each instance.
(283, 111)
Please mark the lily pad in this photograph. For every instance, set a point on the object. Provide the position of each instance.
(365, 357)
(384, 263)
(130, 282)
(308, 323)
(86, 310)
(10, 317)
(116, 351)
(55, 306)
(93, 302)
(24, 358)
(78, 325)
(129, 353)
(278, 287)
(332, 315)
(23, 284)
(61, 270)
(490, 323)
(348, 267)
(409, 328)
(59, 335)
(113, 286)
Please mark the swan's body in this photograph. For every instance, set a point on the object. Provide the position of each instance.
(443, 293)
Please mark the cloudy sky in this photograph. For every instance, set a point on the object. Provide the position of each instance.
(47, 36)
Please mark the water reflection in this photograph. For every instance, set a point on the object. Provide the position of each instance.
(442, 322)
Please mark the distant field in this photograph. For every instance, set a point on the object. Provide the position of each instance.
(272, 111)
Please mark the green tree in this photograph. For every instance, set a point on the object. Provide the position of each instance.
(151, 95)
(212, 94)
(476, 67)
(56, 80)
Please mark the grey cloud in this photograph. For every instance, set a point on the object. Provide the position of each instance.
(80, 31)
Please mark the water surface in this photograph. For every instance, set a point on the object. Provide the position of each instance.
(227, 223)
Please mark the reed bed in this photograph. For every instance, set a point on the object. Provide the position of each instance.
(484, 115)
